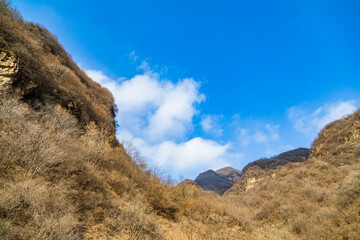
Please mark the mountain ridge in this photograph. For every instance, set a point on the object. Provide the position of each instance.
(62, 175)
(223, 179)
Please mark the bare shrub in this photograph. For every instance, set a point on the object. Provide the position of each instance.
(357, 150)
(63, 228)
(134, 220)
(350, 189)
(134, 153)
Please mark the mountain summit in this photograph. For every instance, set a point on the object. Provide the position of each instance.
(218, 181)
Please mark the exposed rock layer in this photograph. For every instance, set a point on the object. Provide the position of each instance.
(8, 69)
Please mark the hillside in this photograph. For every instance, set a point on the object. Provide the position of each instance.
(315, 199)
(223, 179)
(62, 173)
(229, 173)
(296, 155)
(64, 176)
(218, 181)
(46, 74)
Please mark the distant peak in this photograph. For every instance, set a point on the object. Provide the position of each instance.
(227, 170)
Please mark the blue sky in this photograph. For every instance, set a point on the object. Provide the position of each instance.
(205, 84)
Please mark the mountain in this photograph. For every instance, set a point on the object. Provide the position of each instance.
(212, 181)
(218, 181)
(296, 155)
(221, 180)
(229, 173)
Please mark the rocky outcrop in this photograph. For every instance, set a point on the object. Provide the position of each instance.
(8, 69)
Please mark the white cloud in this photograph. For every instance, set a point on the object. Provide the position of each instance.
(156, 115)
(196, 153)
(210, 124)
(153, 109)
(97, 76)
(312, 122)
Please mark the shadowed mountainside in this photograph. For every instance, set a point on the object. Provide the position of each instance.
(218, 181)
(296, 155)
(221, 180)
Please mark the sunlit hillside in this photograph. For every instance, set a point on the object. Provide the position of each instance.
(316, 199)
(63, 174)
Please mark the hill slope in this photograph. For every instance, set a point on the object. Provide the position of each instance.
(63, 176)
(315, 199)
(296, 155)
(229, 173)
(212, 181)
(223, 179)
(62, 173)
(218, 181)
(41, 73)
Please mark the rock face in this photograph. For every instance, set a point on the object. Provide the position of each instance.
(296, 155)
(218, 181)
(8, 69)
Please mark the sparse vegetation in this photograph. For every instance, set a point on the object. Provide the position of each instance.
(316, 199)
(64, 176)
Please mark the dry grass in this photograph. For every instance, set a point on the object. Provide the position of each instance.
(317, 199)
(47, 74)
(63, 176)
(61, 181)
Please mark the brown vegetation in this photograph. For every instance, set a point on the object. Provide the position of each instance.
(58, 181)
(62, 176)
(316, 199)
(47, 74)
